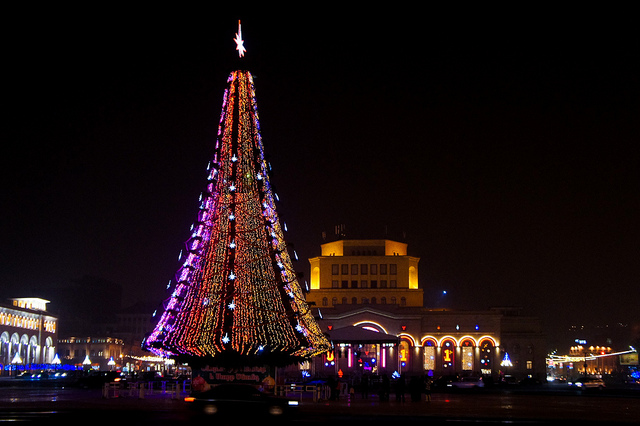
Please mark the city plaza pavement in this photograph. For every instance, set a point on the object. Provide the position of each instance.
(471, 407)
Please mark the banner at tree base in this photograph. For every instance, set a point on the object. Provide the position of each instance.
(259, 376)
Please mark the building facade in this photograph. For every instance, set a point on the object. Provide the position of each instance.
(98, 352)
(28, 333)
(360, 272)
(373, 310)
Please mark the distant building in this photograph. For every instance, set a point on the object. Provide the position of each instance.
(28, 333)
(101, 353)
(373, 311)
(614, 364)
(133, 324)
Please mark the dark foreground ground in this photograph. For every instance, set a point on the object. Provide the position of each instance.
(48, 405)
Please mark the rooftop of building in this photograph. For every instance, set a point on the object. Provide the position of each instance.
(361, 247)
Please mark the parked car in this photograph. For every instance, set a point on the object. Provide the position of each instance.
(467, 383)
(531, 381)
(443, 382)
(240, 400)
(588, 383)
(33, 375)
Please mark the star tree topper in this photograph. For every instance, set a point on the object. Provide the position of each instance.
(239, 41)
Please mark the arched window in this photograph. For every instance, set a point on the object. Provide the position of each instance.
(4, 348)
(466, 351)
(486, 347)
(354, 300)
(429, 354)
(315, 278)
(325, 301)
(448, 353)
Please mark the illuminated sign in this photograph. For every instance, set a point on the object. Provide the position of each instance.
(403, 352)
(329, 359)
(448, 353)
(629, 359)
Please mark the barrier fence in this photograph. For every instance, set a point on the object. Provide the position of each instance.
(178, 389)
(140, 390)
(315, 393)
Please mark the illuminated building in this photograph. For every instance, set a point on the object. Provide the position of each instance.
(373, 311)
(591, 360)
(28, 333)
(363, 272)
(94, 352)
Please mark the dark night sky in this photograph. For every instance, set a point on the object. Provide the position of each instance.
(505, 151)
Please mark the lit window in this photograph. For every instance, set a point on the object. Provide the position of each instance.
(467, 358)
(429, 358)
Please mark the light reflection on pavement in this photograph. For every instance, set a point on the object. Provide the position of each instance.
(28, 403)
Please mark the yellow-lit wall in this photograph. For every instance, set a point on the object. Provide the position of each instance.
(354, 253)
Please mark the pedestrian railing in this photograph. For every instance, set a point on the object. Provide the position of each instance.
(140, 390)
(316, 393)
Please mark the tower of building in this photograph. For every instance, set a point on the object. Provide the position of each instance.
(361, 272)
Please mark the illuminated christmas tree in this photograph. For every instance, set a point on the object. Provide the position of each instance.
(236, 298)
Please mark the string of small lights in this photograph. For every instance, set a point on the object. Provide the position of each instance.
(237, 291)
